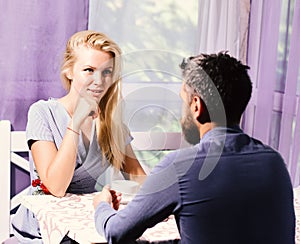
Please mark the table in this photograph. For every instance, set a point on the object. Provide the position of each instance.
(73, 215)
(297, 213)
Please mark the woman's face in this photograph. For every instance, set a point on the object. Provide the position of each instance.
(92, 72)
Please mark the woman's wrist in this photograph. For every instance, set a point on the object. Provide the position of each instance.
(70, 129)
(73, 126)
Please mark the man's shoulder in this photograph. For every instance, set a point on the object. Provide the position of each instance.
(260, 147)
(178, 157)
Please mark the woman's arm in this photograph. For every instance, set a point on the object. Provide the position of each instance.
(56, 167)
(132, 167)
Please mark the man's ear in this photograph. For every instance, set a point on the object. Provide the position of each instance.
(199, 110)
(196, 107)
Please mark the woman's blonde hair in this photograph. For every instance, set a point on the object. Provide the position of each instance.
(112, 133)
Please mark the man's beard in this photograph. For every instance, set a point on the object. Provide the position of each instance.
(189, 128)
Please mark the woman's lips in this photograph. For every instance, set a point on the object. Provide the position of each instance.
(95, 92)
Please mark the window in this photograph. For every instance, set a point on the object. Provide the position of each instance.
(154, 38)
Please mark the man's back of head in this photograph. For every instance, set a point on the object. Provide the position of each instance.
(223, 84)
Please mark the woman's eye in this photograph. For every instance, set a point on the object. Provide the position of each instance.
(89, 70)
(106, 72)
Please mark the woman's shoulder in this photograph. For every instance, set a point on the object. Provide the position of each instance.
(43, 105)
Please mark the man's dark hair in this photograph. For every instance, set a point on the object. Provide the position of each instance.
(223, 84)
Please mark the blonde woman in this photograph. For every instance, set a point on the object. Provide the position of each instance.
(70, 138)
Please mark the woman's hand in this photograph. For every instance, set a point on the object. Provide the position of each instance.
(86, 106)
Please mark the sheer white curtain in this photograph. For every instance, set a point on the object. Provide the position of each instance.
(223, 25)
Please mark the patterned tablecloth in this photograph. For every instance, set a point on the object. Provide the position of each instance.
(297, 213)
(73, 215)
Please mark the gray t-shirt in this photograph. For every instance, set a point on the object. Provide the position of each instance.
(47, 121)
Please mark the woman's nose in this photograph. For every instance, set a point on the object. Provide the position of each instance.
(97, 77)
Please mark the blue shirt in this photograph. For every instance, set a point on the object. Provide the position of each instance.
(229, 188)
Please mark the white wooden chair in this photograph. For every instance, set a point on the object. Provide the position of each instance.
(11, 142)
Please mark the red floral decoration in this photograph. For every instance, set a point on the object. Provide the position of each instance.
(44, 189)
(41, 188)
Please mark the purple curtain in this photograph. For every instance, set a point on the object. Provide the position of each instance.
(289, 144)
(272, 114)
(33, 35)
(262, 52)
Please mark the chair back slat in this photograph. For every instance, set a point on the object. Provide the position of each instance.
(11, 143)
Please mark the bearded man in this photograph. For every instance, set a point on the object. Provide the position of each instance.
(228, 188)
